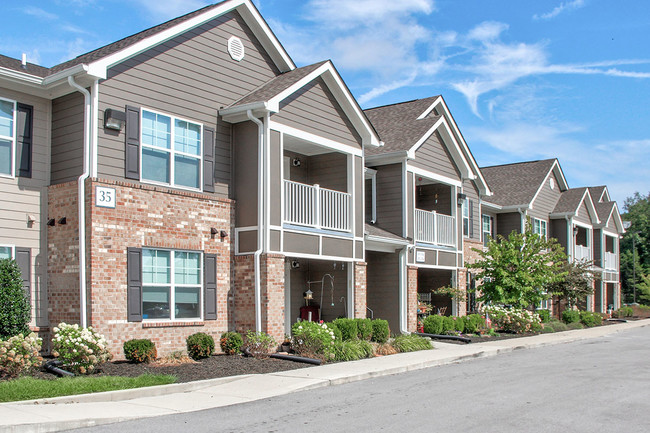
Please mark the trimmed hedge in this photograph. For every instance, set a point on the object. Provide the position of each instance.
(364, 329)
(200, 345)
(570, 316)
(349, 329)
(231, 342)
(140, 350)
(474, 323)
(433, 324)
(380, 331)
(590, 319)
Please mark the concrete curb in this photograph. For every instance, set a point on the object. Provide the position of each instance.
(48, 415)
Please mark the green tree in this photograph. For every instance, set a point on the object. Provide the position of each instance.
(643, 289)
(576, 283)
(636, 237)
(515, 270)
(15, 312)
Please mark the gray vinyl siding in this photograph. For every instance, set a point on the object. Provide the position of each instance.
(469, 189)
(20, 197)
(389, 198)
(191, 76)
(558, 230)
(597, 251)
(245, 174)
(329, 170)
(583, 214)
(546, 199)
(383, 287)
(611, 224)
(410, 205)
(434, 156)
(275, 187)
(67, 138)
(508, 222)
(313, 109)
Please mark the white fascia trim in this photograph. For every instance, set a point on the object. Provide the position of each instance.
(433, 176)
(551, 170)
(317, 139)
(255, 106)
(426, 112)
(40, 82)
(591, 208)
(491, 205)
(369, 173)
(454, 149)
(386, 158)
(20, 76)
(100, 67)
(605, 193)
(382, 240)
(583, 225)
(484, 187)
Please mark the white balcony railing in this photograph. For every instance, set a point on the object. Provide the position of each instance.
(582, 253)
(610, 261)
(313, 206)
(435, 228)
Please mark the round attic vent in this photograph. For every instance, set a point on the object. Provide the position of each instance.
(236, 48)
(552, 183)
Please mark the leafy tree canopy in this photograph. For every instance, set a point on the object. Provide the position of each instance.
(517, 269)
(637, 236)
(576, 284)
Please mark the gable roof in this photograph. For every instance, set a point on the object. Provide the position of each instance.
(405, 126)
(267, 98)
(517, 184)
(97, 62)
(570, 202)
(597, 193)
(607, 210)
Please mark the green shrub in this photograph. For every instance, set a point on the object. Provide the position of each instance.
(448, 325)
(364, 329)
(15, 311)
(231, 343)
(558, 326)
(590, 319)
(200, 345)
(80, 349)
(459, 324)
(380, 331)
(513, 319)
(575, 325)
(258, 344)
(19, 354)
(349, 329)
(338, 335)
(140, 350)
(623, 312)
(474, 323)
(547, 330)
(544, 315)
(433, 324)
(570, 316)
(411, 343)
(351, 350)
(313, 340)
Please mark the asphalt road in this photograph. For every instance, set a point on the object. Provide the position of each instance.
(595, 385)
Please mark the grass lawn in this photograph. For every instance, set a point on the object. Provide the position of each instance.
(28, 388)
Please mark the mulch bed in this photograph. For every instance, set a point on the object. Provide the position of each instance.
(208, 368)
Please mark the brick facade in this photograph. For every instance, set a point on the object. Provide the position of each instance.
(470, 256)
(412, 298)
(360, 290)
(272, 291)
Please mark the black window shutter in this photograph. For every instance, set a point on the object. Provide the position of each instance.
(25, 133)
(24, 261)
(208, 159)
(132, 143)
(210, 287)
(471, 218)
(134, 284)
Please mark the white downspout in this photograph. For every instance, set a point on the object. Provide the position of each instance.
(403, 292)
(523, 220)
(81, 199)
(260, 219)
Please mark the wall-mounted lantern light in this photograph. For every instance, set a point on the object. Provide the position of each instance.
(461, 198)
(114, 119)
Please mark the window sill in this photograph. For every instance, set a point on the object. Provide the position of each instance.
(170, 324)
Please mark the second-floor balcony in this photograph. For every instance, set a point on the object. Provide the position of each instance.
(435, 228)
(582, 253)
(610, 261)
(316, 207)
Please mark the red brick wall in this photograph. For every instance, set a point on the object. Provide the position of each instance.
(244, 293)
(145, 216)
(360, 290)
(272, 286)
(470, 256)
(412, 298)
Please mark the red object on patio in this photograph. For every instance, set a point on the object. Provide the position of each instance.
(304, 313)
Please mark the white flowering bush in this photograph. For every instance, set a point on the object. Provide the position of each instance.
(513, 319)
(80, 349)
(19, 354)
(313, 339)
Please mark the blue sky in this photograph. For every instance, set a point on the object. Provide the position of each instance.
(524, 79)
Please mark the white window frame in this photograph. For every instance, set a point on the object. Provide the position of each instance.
(543, 304)
(483, 231)
(172, 152)
(12, 248)
(12, 157)
(465, 209)
(172, 287)
(541, 223)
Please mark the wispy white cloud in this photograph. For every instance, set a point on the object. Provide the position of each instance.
(39, 13)
(346, 13)
(74, 29)
(168, 9)
(563, 7)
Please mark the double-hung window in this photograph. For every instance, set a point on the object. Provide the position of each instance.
(487, 229)
(465, 210)
(7, 137)
(171, 151)
(6, 252)
(539, 227)
(171, 284)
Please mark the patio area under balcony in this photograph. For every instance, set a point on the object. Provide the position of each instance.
(434, 222)
(582, 248)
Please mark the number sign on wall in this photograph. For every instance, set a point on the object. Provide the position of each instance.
(105, 197)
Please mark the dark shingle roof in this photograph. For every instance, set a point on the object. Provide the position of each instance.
(373, 230)
(397, 124)
(604, 210)
(570, 200)
(516, 184)
(277, 84)
(596, 192)
(104, 51)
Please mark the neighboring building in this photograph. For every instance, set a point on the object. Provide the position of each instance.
(423, 194)
(588, 228)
